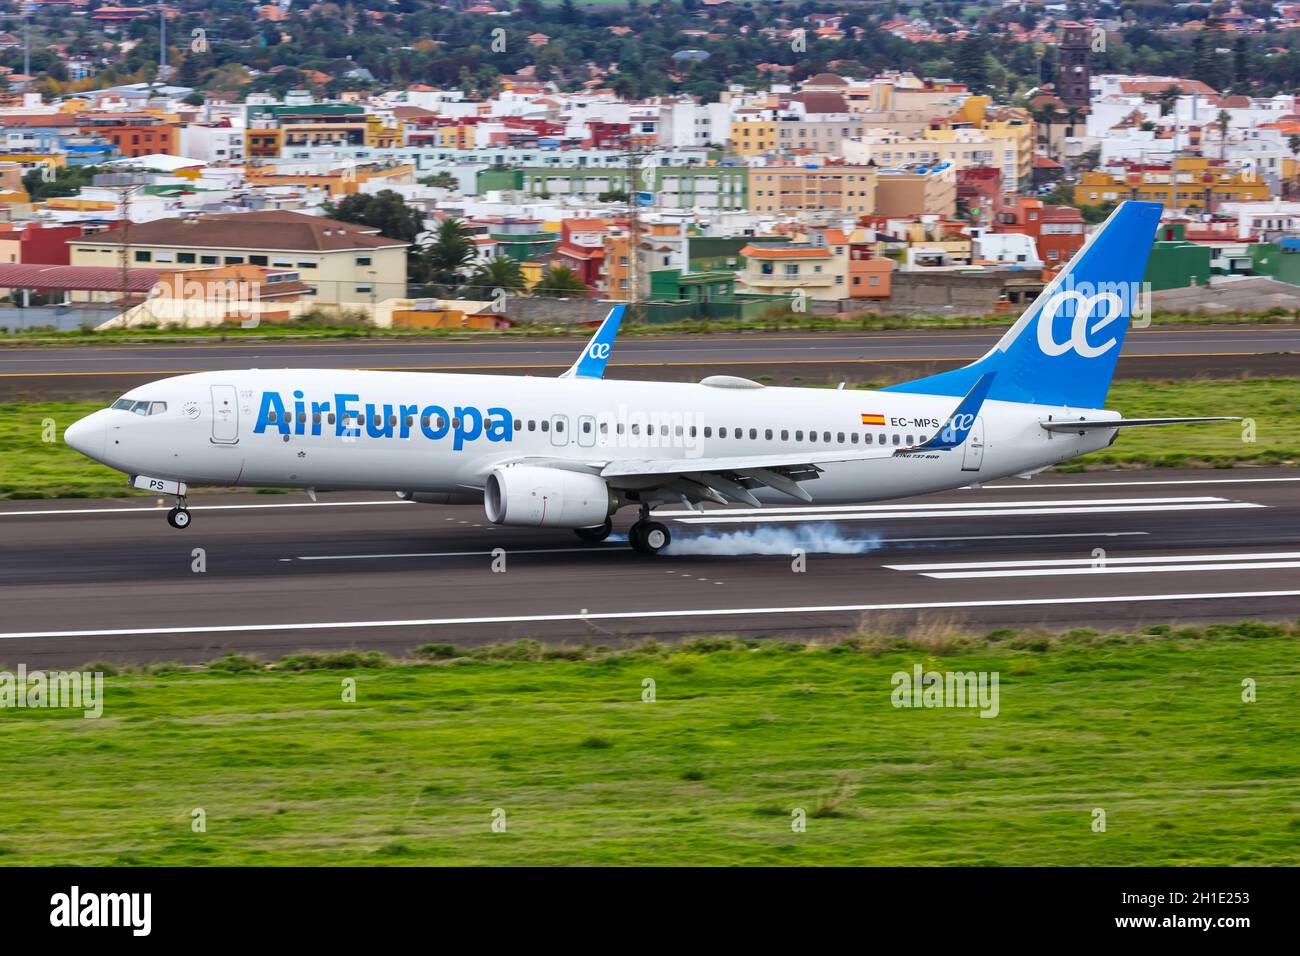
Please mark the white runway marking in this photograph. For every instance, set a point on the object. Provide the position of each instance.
(946, 505)
(1081, 562)
(159, 509)
(955, 513)
(1049, 485)
(1107, 569)
(618, 546)
(637, 615)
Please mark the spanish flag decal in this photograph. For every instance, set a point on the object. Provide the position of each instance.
(872, 419)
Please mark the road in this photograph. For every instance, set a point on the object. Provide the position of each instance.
(102, 372)
(81, 581)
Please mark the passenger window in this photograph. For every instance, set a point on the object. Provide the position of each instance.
(753, 433)
(273, 416)
(692, 432)
(840, 438)
(812, 436)
(911, 440)
(619, 428)
(330, 419)
(896, 438)
(722, 433)
(315, 418)
(302, 419)
(880, 439)
(708, 431)
(546, 426)
(663, 430)
(677, 431)
(826, 436)
(785, 434)
(798, 436)
(853, 437)
(586, 428)
(532, 425)
(519, 426)
(455, 423)
(559, 426)
(410, 422)
(604, 428)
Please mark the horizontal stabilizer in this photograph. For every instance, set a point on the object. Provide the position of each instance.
(1084, 423)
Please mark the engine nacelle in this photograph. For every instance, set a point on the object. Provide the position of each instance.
(546, 498)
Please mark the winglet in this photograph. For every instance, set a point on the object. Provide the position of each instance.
(962, 420)
(591, 363)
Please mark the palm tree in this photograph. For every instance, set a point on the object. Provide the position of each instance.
(1073, 117)
(499, 273)
(449, 252)
(1223, 121)
(561, 279)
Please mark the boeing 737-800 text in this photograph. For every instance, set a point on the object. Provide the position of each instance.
(569, 452)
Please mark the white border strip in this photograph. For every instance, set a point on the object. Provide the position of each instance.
(647, 615)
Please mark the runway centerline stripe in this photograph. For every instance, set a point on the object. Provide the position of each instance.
(1107, 569)
(961, 513)
(646, 615)
(1051, 485)
(157, 509)
(1127, 559)
(1041, 503)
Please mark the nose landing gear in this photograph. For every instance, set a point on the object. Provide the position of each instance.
(179, 517)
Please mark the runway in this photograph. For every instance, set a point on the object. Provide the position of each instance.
(81, 581)
(1171, 351)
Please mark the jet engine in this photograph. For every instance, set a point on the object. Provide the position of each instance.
(534, 497)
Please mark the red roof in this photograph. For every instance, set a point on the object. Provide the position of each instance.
(77, 278)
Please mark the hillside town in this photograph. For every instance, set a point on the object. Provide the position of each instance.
(548, 192)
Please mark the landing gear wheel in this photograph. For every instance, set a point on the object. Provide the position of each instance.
(599, 533)
(179, 518)
(649, 537)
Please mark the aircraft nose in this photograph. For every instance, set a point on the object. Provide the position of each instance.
(87, 435)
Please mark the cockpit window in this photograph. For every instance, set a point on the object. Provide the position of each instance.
(139, 408)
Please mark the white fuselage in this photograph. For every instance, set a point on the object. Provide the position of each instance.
(442, 434)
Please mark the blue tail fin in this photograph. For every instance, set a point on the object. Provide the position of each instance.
(1063, 349)
(591, 363)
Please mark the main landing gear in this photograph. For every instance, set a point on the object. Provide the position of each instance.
(648, 537)
(179, 517)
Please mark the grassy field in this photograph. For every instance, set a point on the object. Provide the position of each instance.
(1150, 727)
(328, 328)
(33, 468)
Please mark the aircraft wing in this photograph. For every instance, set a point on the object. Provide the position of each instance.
(733, 478)
(595, 355)
(1064, 425)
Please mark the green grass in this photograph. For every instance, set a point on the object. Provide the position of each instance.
(348, 328)
(33, 468)
(1149, 727)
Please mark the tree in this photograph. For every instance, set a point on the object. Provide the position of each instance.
(385, 211)
(441, 180)
(561, 279)
(970, 64)
(449, 252)
(499, 273)
(1224, 121)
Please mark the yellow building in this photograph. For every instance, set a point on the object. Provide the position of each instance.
(342, 262)
(752, 137)
(1190, 182)
(459, 136)
(339, 182)
(788, 190)
(815, 271)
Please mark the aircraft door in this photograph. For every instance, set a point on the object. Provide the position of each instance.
(973, 453)
(225, 415)
(586, 431)
(559, 430)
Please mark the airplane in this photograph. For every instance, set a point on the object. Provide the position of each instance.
(570, 452)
